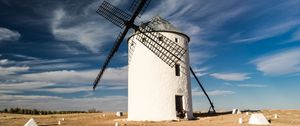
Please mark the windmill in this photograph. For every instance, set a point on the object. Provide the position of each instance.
(151, 90)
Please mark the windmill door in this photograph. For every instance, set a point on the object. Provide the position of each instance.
(179, 106)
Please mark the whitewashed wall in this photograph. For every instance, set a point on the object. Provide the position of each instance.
(152, 84)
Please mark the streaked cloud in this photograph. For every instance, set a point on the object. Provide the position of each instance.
(279, 63)
(5, 61)
(79, 77)
(26, 97)
(68, 90)
(295, 37)
(252, 85)
(231, 76)
(197, 92)
(12, 70)
(92, 34)
(24, 85)
(25, 57)
(201, 71)
(267, 32)
(199, 57)
(106, 103)
(8, 35)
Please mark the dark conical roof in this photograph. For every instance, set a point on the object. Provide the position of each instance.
(159, 24)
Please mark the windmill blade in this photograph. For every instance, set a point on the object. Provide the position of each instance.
(116, 18)
(111, 54)
(167, 50)
(211, 104)
(113, 14)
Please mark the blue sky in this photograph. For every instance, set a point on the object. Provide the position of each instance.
(246, 53)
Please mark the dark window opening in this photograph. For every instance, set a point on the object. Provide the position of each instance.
(160, 38)
(176, 39)
(177, 69)
(179, 107)
(143, 39)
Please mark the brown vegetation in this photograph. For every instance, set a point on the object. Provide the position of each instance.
(286, 118)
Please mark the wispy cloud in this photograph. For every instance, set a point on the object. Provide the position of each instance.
(71, 89)
(106, 103)
(279, 63)
(5, 61)
(12, 70)
(24, 85)
(201, 71)
(79, 77)
(68, 90)
(8, 35)
(231, 76)
(26, 97)
(252, 85)
(93, 34)
(199, 57)
(267, 32)
(295, 37)
(197, 92)
(25, 57)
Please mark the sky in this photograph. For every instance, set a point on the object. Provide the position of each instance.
(246, 53)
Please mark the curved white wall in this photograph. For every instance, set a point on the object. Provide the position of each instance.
(152, 84)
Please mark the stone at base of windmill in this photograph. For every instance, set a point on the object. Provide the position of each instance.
(236, 111)
(258, 119)
(31, 122)
(119, 114)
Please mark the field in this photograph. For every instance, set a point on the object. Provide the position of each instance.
(285, 118)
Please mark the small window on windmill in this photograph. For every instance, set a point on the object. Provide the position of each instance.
(177, 69)
(160, 38)
(143, 39)
(176, 39)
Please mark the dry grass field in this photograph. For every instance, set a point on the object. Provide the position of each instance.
(286, 118)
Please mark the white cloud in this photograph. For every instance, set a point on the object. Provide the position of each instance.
(68, 89)
(199, 57)
(26, 97)
(56, 66)
(201, 71)
(252, 85)
(24, 85)
(12, 70)
(5, 61)
(280, 63)
(231, 76)
(266, 32)
(25, 57)
(8, 35)
(87, 76)
(197, 92)
(92, 34)
(9, 92)
(295, 37)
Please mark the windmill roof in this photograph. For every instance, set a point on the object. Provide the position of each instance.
(159, 24)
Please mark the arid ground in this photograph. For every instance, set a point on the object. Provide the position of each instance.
(285, 118)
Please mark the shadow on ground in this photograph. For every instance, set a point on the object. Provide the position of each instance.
(209, 114)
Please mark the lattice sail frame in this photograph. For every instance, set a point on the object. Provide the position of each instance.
(113, 14)
(167, 50)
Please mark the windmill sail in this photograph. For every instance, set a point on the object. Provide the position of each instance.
(113, 14)
(167, 50)
(121, 19)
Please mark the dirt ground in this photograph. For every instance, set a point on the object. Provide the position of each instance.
(285, 118)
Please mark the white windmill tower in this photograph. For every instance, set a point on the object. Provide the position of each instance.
(159, 85)
(157, 91)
